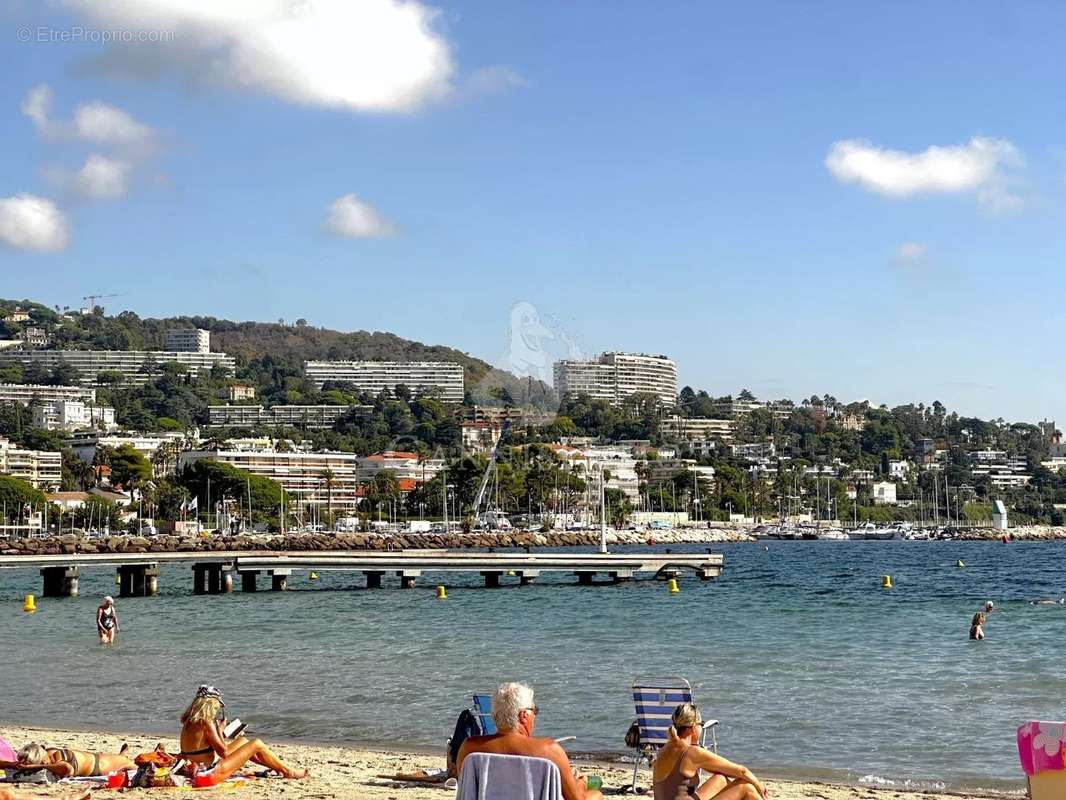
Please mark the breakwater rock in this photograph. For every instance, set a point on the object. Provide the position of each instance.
(70, 544)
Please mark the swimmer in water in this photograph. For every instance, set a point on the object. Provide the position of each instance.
(988, 607)
(976, 631)
(107, 621)
(1058, 602)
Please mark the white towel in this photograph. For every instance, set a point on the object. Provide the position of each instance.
(487, 776)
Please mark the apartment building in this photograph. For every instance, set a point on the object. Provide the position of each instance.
(188, 340)
(615, 377)
(135, 366)
(86, 444)
(43, 469)
(699, 428)
(27, 393)
(445, 377)
(302, 475)
(317, 416)
(737, 408)
(238, 392)
(405, 464)
(72, 415)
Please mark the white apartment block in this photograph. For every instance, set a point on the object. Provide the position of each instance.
(86, 444)
(620, 463)
(27, 393)
(136, 366)
(72, 415)
(321, 416)
(41, 468)
(302, 475)
(755, 450)
(614, 377)
(899, 470)
(699, 428)
(405, 464)
(736, 408)
(373, 376)
(188, 340)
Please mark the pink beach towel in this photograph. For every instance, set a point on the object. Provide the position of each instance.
(7, 752)
(1042, 746)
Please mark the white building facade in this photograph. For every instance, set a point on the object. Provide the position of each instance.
(188, 340)
(43, 469)
(445, 377)
(135, 366)
(72, 415)
(615, 377)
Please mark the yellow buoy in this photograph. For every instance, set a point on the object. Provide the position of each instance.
(960, 563)
(441, 593)
(29, 603)
(313, 576)
(886, 581)
(118, 580)
(672, 584)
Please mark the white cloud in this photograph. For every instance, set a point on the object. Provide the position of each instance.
(96, 122)
(350, 217)
(912, 251)
(28, 222)
(101, 178)
(369, 55)
(982, 166)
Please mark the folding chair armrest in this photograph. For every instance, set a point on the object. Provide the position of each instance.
(561, 739)
(710, 723)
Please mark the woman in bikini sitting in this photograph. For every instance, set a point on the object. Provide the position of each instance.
(202, 742)
(69, 763)
(107, 621)
(676, 771)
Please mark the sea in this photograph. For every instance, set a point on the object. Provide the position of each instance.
(814, 670)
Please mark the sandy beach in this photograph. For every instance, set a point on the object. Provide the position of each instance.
(341, 772)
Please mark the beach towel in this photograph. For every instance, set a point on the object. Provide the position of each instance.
(1042, 747)
(487, 776)
(7, 752)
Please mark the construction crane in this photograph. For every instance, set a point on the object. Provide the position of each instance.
(488, 467)
(92, 298)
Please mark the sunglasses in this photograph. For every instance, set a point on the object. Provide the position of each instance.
(534, 709)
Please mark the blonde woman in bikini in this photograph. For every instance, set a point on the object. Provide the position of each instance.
(202, 743)
(676, 771)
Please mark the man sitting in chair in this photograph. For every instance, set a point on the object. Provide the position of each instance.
(515, 715)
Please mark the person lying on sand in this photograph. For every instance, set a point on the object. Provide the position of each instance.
(676, 771)
(65, 763)
(202, 741)
(11, 794)
(515, 716)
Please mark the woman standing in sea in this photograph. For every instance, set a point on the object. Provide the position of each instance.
(107, 621)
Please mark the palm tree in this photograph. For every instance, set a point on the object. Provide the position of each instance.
(329, 479)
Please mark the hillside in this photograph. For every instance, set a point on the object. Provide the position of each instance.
(271, 347)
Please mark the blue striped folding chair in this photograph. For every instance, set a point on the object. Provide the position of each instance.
(482, 709)
(655, 700)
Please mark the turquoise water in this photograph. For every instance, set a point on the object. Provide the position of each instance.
(812, 668)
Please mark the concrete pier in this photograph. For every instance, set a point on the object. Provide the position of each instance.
(527, 576)
(212, 578)
(407, 577)
(373, 578)
(60, 581)
(492, 579)
(248, 580)
(138, 580)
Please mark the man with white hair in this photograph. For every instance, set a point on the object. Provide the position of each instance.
(515, 715)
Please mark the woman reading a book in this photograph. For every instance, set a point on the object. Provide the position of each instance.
(202, 741)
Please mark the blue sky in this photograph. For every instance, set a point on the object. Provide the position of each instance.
(747, 187)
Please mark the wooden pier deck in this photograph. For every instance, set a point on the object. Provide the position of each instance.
(214, 571)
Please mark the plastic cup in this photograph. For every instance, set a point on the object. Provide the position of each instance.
(116, 780)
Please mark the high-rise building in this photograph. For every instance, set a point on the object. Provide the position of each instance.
(617, 376)
(26, 393)
(133, 366)
(41, 468)
(188, 340)
(446, 377)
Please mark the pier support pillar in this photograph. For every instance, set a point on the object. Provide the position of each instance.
(373, 579)
(138, 580)
(248, 580)
(620, 575)
(209, 579)
(584, 578)
(527, 576)
(492, 579)
(708, 574)
(279, 580)
(407, 577)
(60, 581)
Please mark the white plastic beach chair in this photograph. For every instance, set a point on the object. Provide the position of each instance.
(655, 700)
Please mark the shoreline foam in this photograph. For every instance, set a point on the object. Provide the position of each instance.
(350, 772)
